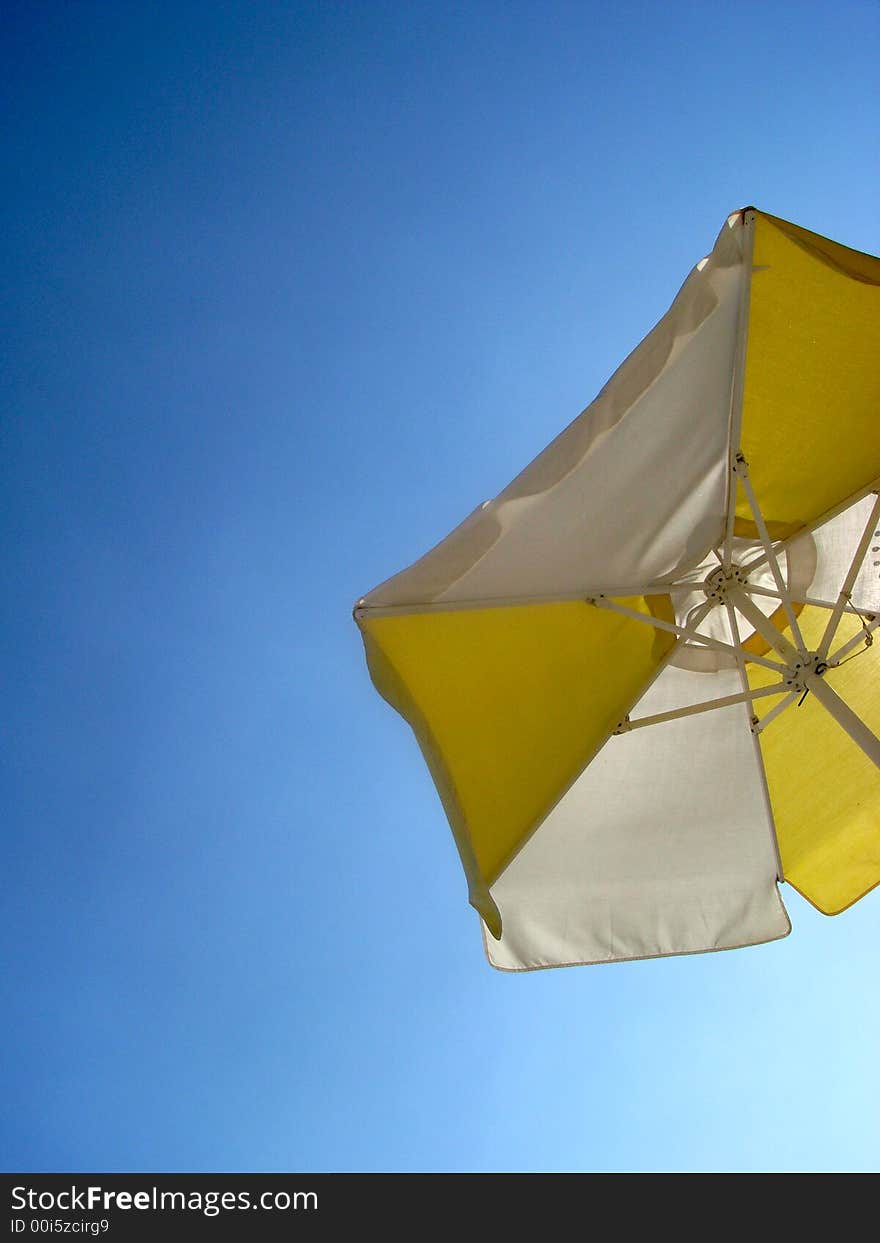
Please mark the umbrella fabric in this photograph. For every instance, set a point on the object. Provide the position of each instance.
(526, 647)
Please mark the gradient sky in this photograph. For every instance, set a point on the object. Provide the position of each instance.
(289, 289)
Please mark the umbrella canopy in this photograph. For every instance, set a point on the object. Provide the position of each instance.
(632, 674)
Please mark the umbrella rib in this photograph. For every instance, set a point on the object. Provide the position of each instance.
(706, 705)
(754, 726)
(865, 635)
(821, 520)
(852, 574)
(682, 632)
(764, 626)
(738, 384)
(775, 711)
(800, 598)
(748, 566)
(742, 472)
(845, 717)
(870, 621)
(362, 609)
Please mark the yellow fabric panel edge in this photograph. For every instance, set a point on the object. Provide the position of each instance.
(856, 264)
(838, 910)
(393, 690)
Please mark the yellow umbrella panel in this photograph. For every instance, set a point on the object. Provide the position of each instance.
(632, 672)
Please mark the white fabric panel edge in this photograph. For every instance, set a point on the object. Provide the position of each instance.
(607, 464)
(662, 847)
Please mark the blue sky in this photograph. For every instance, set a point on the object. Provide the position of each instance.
(289, 289)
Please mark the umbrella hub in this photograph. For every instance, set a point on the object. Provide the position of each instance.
(719, 582)
(799, 670)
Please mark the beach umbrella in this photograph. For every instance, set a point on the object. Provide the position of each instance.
(643, 676)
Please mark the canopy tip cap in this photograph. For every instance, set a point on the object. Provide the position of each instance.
(741, 216)
(484, 905)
